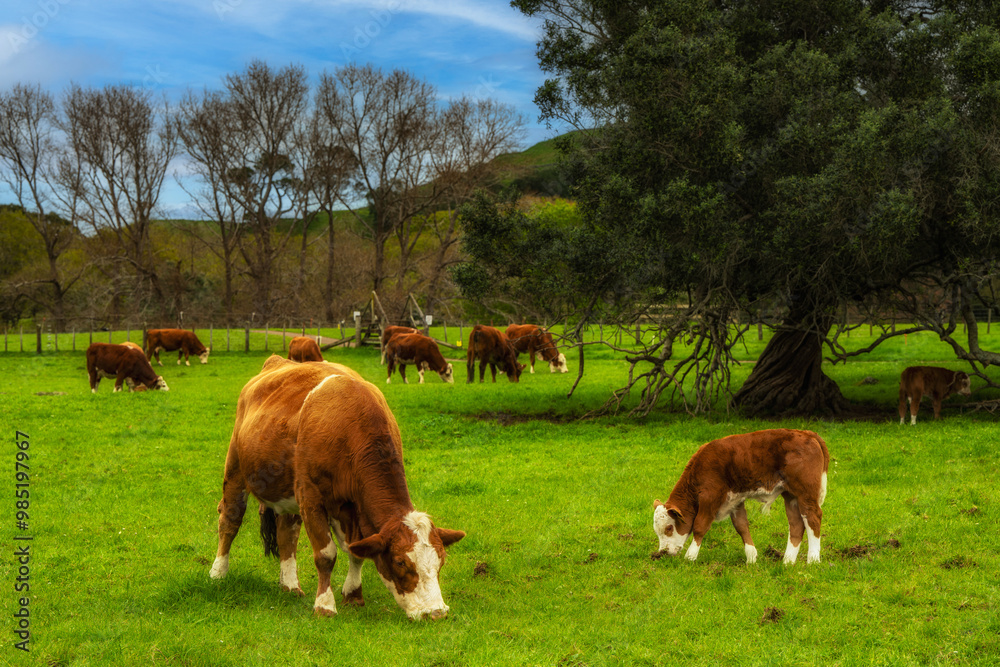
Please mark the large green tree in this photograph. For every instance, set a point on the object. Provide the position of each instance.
(794, 157)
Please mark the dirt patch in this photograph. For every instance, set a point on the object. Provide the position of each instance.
(592, 557)
(481, 569)
(867, 380)
(771, 553)
(50, 393)
(893, 543)
(858, 550)
(957, 562)
(972, 511)
(505, 418)
(657, 555)
(772, 615)
(626, 537)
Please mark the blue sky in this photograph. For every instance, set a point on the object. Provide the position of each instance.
(479, 48)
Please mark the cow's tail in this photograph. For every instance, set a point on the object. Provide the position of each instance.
(269, 531)
(826, 469)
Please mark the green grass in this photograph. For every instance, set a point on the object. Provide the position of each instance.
(556, 567)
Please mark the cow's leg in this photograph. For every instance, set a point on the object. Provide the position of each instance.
(812, 518)
(156, 353)
(95, 381)
(531, 354)
(796, 527)
(352, 584)
(420, 372)
(288, 541)
(936, 398)
(903, 400)
(391, 367)
(470, 366)
(702, 522)
(119, 380)
(493, 371)
(482, 370)
(742, 525)
(317, 524)
(232, 507)
(914, 400)
(402, 372)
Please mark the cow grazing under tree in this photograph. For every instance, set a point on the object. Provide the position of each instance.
(389, 332)
(124, 363)
(534, 339)
(304, 348)
(761, 466)
(491, 346)
(419, 350)
(940, 383)
(167, 340)
(317, 445)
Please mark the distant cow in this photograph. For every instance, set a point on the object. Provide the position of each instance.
(940, 383)
(417, 349)
(304, 348)
(491, 346)
(134, 346)
(391, 331)
(317, 445)
(531, 339)
(168, 340)
(124, 363)
(725, 473)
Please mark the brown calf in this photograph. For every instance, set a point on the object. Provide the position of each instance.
(168, 340)
(387, 335)
(125, 363)
(491, 346)
(531, 339)
(725, 473)
(318, 446)
(304, 348)
(419, 350)
(940, 383)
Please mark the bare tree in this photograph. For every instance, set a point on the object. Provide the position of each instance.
(27, 150)
(120, 146)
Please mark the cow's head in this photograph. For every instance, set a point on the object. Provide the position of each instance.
(558, 365)
(448, 374)
(671, 527)
(204, 357)
(408, 555)
(960, 384)
(158, 383)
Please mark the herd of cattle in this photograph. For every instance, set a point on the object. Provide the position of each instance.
(317, 445)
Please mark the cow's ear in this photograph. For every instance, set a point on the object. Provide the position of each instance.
(368, 547)
(675, 514)
(656, 503)
(449, 537)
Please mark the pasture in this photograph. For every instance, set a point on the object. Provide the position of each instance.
(556, 567)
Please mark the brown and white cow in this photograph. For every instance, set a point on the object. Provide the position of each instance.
(491, 346)
(417, 349)
(388, 333)
(317, 445)
(125, 363)
(531, 339)
(725, 473)
(304, 348)
(167, 340)
(940, 383)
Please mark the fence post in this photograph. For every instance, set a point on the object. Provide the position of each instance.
(227, 336)
(90, 338)
(341, 329)
(110, 331)
(74, 340)
(38, 338)
(760, 330)
(319, 334)
(246, 344)
(989, 319)
(284, 338)
(266, 327)
(5, 338)
(55, 339)
(445, 325)
(22, 337)
(461, 336)
(211, 334)
(357, 328)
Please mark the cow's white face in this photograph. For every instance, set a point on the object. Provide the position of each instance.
(204, 357)
(161, 384)
(558, 365)
(448, 375)
(666, 528)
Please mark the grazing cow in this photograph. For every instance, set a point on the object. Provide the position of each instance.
(304, 348)
(124, 363)
(491, 346)
(417, 349)
(725, 473)
(388, 333)
(531, 339)
(168, 340)
(940, 383)
(316, 444)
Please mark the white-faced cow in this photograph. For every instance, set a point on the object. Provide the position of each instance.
(304, 348)
(761, 466)
(389, 332)
(491, 346)
(419, 350)
(126, 364)
(534, 339)
(316, 444)
(167, 340)
(940, 383)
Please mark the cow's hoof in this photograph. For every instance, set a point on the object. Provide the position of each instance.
(298, 592)
(355, 598)
(324, 611)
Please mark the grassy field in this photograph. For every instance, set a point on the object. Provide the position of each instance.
(556, 567)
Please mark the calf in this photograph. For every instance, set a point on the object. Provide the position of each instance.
(491, 346)
(168, 340)
(416, 349)
(531, 339)
(124, 363)
(387, 335)
(725, 473)
(304, 348)
(318, 446)
(940, 383)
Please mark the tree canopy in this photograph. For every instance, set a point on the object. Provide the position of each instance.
(744, 158)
